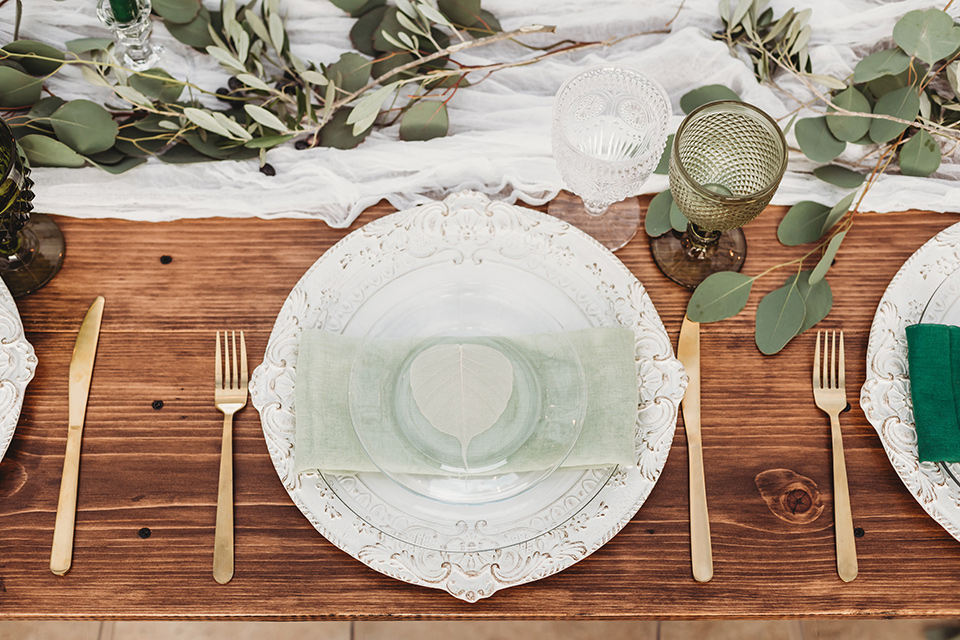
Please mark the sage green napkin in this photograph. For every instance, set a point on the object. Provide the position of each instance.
(325, 435)
(933, 357)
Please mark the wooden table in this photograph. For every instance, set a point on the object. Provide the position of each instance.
(148, 477)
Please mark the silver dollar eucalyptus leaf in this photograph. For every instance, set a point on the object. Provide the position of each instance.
(462, 389)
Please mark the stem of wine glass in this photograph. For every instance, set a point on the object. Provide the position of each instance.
(698, 242)
(595, 210)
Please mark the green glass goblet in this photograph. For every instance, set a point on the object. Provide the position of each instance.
(726, 162)
(31, 245)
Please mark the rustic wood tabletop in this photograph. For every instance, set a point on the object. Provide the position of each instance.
(150, 456)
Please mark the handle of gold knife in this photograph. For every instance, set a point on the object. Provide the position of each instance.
(223, 533)
(701, 552)
(61, 554)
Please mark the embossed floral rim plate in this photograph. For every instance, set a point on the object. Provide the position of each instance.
(471, 551)
(17, 366)
(885, 397)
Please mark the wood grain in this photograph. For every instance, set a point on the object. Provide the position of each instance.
(156, 468)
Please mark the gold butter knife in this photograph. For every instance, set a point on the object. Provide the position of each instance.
(688, 352)
(81, 370)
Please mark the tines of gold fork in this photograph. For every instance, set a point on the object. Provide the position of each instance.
(230, 395)
(829, 392)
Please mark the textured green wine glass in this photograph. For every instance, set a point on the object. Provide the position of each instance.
(726, 162)
(31, 245)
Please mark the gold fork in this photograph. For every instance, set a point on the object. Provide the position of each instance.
(230, 396)
(831, 397)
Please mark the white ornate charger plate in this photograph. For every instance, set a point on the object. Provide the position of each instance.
(885, 397)
(476, 551)
(18, 363)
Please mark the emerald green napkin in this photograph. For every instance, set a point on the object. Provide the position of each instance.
(325, 435)
(933, 358)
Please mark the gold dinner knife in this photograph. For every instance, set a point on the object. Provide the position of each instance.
(81, 369)
(688, 352)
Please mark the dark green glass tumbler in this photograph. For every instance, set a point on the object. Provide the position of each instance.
(31, 245)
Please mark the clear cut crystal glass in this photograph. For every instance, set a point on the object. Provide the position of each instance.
(609, 129)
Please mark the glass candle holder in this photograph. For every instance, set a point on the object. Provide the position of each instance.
(726, 162)
(31, 245)
(609, 128)
(129, 21)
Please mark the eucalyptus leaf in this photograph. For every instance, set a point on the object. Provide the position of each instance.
(176, 11)
(902, 103)
(385, 34)
(803, 223)
(780, 317)
(122, 166)
(277, 33)
(133, 142)
(110, 156)
(487, 25)
(151, 123)
(424, 120)
(927, 34)
(362, 33)
(849, 128)
(267, 142)
(816, 140)
(43, 151)
(313, 77)
(338, 134)
(184, 154)
(195, 33)
(226, 59)
(390, 62)
(889, 62)
(157, 84)
(351, 72)
(462, 13)
(36, 58)
(663, 168)
(839, 176)
(720, 296)
(219, 147)
(357, 7)
(838, 211)
(920, 156)
(678, 221)
(703, 95)
(18, 89)
(827, 259)
(657, 219)
(84, 126)
(86, 45)
(817, 299)
(45, 107)
(740, 11)
(828, 81)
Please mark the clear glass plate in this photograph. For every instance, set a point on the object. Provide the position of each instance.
(466, 305)
(467, 266)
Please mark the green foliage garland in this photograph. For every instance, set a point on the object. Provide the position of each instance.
(903, 102)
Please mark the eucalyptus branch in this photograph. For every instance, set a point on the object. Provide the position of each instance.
(932, 128)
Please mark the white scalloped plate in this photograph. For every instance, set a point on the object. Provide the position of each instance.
(18, 363)
(885, 397)
(471, 551)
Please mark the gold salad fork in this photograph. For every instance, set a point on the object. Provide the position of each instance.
(830, 395)
(230, 396)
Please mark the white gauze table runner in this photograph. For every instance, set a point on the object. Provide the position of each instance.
(499, 138)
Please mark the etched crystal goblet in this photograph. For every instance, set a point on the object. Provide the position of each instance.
(31, 246)
(726, 162)
(609, 129)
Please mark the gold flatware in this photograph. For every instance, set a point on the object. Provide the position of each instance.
(688, 352)
(81, 370)
(829, 392)
(230, 396)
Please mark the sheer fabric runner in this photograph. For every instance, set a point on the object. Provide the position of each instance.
(499, 141)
